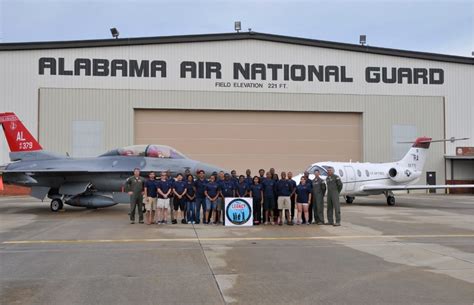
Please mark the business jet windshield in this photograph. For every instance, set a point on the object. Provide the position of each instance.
(322, 170)
(151, 151)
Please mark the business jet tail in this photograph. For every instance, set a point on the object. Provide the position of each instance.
(416, 156)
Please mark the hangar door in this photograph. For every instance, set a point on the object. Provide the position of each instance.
(253, 139)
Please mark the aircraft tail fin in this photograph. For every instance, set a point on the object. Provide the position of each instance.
(416, 155)
(18, 137)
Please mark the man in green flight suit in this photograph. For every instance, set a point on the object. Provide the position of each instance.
(134, 186)
(319, 190)
(334, 187)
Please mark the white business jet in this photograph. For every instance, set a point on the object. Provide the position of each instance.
(364, 179)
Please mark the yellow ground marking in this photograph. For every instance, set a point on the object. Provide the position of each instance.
(152, 240)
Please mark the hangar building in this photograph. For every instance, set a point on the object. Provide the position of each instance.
(243, 100)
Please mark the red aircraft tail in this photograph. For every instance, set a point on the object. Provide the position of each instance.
(18, 137)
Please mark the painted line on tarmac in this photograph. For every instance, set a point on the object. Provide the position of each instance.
(153, 240)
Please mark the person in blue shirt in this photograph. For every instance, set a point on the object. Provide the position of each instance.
(212, 192)
(164, 189)
(179, 202)
(303, 198)
(310, 207)
(171, 180)
(248, 178)
(220, 201)
(274, 175)
(284, 189)
(261, 175)
(242, 188)
(268, 198)
(150, 199)
(234, 177)
(200, 185)
(256, 192)
(292, 196)
(190, 200)
(227, 191)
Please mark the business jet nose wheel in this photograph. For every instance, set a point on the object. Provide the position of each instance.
(56, 204)
(390, 200)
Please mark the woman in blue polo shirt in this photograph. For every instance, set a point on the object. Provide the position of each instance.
(190, 200)
(303, 198)
(256, 192)
(212, 192)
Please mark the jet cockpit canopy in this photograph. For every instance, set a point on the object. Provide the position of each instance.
(151, 151)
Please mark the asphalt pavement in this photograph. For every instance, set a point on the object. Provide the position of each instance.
(420, 251)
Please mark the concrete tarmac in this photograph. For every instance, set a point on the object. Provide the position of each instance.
(420, 251)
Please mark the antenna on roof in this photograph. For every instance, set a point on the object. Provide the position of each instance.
(363, 40)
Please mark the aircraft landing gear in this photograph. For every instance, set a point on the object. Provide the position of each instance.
(56, 204)
(390, 200)
(349, 199)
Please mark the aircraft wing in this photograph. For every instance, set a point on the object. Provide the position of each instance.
(413, 187)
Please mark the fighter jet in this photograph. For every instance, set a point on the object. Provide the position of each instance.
(84, 182)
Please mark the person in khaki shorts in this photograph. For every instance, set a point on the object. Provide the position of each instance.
(150, 199)
(284, 189)
(164, 189)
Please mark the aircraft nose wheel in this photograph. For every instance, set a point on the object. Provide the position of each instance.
(349, 199)
(390, 200)
(56, 205)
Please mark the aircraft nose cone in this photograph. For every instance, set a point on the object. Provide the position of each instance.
(208, 168)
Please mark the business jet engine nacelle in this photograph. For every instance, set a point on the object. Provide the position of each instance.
(401, 175)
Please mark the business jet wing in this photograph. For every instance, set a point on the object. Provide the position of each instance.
(376, 187)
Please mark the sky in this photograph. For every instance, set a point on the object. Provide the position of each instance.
(445, 27)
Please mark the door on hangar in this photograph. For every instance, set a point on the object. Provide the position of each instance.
(253, 139)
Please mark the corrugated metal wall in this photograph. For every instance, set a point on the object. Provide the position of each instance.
(59, 107)
(20, 84)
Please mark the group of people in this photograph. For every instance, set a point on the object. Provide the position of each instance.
(194, 199)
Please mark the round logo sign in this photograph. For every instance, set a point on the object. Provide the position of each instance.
(238, 211)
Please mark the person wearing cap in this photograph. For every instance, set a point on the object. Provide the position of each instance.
(200, 185)
(319, 189)
(134, 187)
(151, 197)
(292, 196)
(334, 187)
(284, 190)
(164, 189)
(179, 202)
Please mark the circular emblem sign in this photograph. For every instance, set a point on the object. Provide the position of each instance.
(238, 211)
